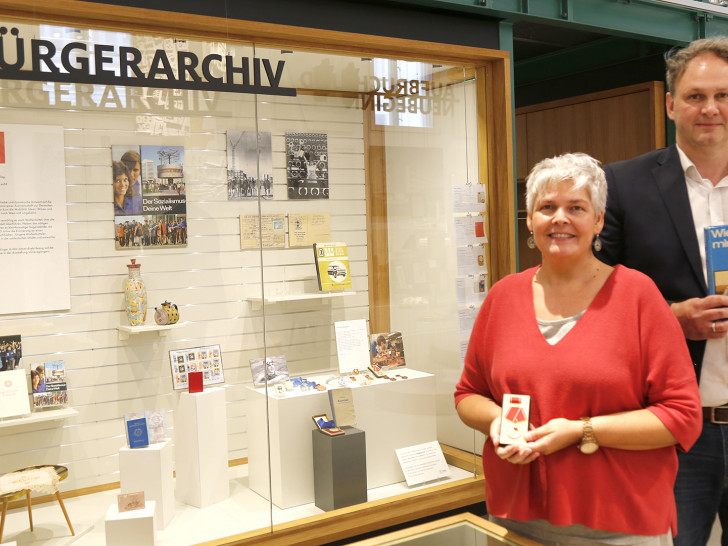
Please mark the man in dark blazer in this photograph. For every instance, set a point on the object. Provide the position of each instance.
(658, 205)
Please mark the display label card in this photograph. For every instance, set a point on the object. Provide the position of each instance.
(463, 351)
(471, 260)
(273, 231)
(471, 290)
(33, 226)
(13, 393)
(466, 321)
(470, 229)
(352, 345)
(131, 501)
(422, 463)
(468, 198)
(304, 229)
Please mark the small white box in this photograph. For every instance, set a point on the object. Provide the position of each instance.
(136, 527)
(149, 469)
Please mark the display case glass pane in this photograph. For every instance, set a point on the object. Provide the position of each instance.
(256, 169)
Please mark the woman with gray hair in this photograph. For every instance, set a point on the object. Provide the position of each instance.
(603, 360)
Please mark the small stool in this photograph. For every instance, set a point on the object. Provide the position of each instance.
(62, 472)
(5, 499)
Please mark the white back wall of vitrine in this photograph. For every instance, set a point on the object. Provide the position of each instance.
(423, 166)
(209, 280)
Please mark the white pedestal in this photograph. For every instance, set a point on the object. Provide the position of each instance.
(201, 448)
(393, 414)
(149, 469)
(136, 527)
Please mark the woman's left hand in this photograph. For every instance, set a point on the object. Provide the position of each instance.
(554, 435)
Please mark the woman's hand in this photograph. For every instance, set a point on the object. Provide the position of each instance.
(554, 435)
(513, 453)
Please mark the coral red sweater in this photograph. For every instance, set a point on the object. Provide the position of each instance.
(626, 352)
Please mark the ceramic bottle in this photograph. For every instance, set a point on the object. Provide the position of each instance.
(135, 295)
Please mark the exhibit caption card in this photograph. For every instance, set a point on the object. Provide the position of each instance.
(422, 463)
(352, 345)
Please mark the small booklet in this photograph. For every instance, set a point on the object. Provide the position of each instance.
(147, 427)
(48, 381)
(136, 430)
(342, 407)
(332, 266)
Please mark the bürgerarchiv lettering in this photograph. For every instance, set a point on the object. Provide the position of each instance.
(81, 63)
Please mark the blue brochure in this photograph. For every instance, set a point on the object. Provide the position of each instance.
(136, 431)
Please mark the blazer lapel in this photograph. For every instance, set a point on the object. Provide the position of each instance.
(670, 180)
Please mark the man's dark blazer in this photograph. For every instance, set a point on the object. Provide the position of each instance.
(649, 226)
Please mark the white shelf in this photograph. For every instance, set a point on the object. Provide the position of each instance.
(300, 297)
(125, 331)
(38, 417)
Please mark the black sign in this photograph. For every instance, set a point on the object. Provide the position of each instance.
(80, 63)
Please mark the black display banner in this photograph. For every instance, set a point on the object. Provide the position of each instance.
(80, 63)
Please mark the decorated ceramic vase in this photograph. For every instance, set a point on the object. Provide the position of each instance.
(135, 295)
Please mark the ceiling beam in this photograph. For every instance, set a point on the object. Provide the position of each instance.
(666, 21)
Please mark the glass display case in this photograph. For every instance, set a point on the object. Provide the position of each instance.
(328, 215)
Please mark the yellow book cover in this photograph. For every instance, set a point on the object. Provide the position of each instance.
(332, 266)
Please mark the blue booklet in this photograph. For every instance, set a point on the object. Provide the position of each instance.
(136, 432)
(716, 258)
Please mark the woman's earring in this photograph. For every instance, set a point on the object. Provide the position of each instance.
(597, 244)
(531, 242)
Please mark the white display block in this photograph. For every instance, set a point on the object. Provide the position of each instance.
(201, 448)
(149, 469)
(394, 414)
(135, 527)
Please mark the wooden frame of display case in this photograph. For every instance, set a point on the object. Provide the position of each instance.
(491, 69)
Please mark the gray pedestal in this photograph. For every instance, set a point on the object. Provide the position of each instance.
(339, 469)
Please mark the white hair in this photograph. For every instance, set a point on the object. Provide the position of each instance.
(582, 169)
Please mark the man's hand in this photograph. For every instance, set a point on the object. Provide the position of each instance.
(702, 318)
